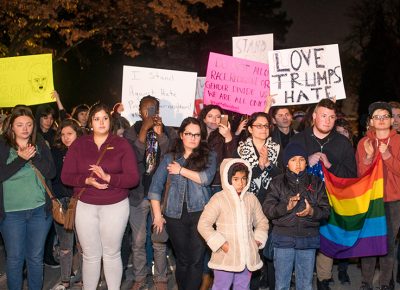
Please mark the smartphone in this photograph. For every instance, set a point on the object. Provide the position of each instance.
(151, 111)
(244, 117)
(224, 120)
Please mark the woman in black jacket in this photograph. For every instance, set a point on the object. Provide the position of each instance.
(68, 131)
(296, 202)
(24, 204)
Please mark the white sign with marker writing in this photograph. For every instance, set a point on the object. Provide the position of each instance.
(175, 90)
(253, 47)
(305, 75)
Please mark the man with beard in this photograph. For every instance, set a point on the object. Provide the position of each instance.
(325, 146)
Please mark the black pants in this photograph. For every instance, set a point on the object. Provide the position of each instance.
(189, 248)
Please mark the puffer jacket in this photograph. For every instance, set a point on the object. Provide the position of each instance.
(239, 221)
(286, 222)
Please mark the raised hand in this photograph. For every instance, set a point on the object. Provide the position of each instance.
(369, 149)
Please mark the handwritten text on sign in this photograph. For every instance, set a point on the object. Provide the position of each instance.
(174, 89)
(306, 75)
(253, 47)
(236, 84)
(26, 80)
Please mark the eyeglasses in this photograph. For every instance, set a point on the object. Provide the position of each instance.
(381, 117)
(261, 126)
(191, 135)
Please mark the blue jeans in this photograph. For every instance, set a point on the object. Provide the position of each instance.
(303, 261)
(24, 233)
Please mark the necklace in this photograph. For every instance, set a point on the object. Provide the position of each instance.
(319, 143)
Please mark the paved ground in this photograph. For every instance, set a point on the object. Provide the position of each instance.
(52, 278)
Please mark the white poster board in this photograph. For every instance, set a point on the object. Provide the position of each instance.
(198, 102)
(175, 90)
(305, 75)
(253, 47)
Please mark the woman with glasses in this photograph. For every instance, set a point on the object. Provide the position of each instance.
(261, 152)
(189, 169)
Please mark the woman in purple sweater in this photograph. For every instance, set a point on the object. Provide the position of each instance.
(103, 209)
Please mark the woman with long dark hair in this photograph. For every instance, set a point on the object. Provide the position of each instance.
(190, 168)
(25, 208)
(67, 132)
(219, 138)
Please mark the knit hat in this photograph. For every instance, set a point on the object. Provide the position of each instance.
(291, 150)
(379, 106)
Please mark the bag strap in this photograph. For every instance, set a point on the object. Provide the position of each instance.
(41, 178)
(79, 194)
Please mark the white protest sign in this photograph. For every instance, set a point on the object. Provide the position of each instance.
(305, 75)
(253, 47)
(198, 102)
(174, 89)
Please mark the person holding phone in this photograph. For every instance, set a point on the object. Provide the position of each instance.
(219, 138)
(151, 140)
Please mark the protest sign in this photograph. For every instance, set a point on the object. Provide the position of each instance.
(306, 75)
(253, 47)
(198, 100)
(236, 84)
(174, 89)
(26, 80)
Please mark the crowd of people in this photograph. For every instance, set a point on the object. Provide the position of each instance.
(239, 202)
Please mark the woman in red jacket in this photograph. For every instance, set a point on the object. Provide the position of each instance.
(103, 209)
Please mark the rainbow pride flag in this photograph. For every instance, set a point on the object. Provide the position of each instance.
(357, 223)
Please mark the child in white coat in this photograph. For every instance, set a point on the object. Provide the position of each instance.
(234, 244)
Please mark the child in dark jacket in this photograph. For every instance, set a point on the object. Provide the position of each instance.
(296, 202)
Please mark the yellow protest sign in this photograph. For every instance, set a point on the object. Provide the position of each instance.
(26, 80)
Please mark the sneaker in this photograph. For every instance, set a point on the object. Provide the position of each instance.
(323, 285)
(365, 286)
(343, 277)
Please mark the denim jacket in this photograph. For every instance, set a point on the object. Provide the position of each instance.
(197, 194)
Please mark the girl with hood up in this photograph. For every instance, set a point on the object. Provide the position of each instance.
(234, 242)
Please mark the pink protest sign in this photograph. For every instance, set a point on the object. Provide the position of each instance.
(236, 84)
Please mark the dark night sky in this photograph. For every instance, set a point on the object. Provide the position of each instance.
(317, 22)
